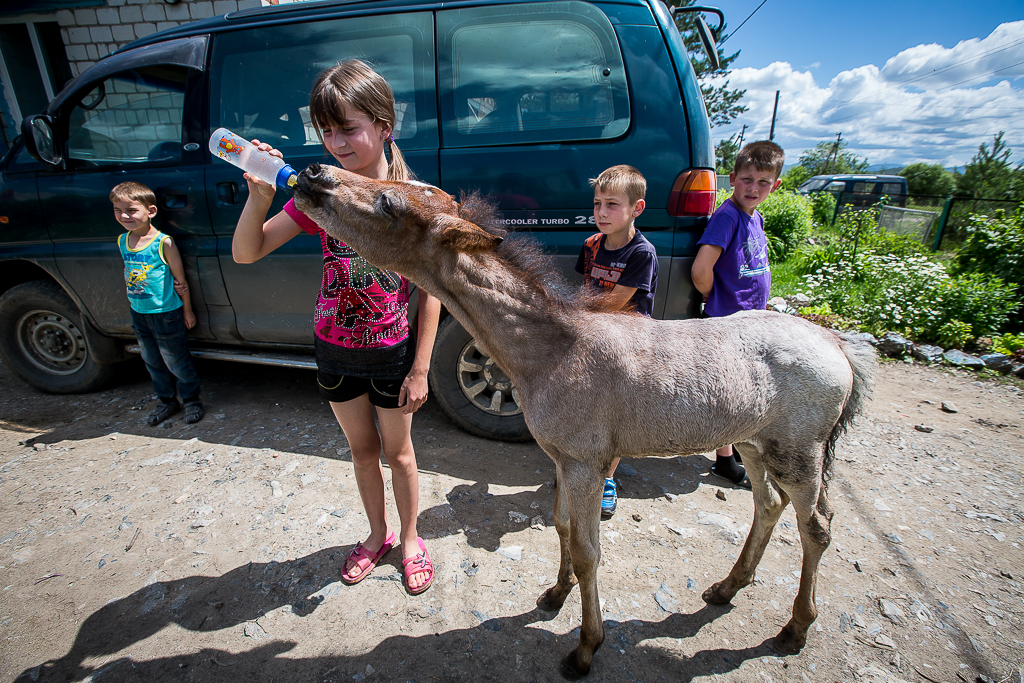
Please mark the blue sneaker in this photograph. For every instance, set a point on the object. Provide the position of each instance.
(610, 499)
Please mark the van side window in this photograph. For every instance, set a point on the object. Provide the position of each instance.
(133, 117)
(836, 186)
(261, 77)
(892, 188)
(530, 73)
(861, 187)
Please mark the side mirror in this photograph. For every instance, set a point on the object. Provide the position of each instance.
(708, 36)
(39, 140)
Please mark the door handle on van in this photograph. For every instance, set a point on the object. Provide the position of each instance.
(177, 196)
(227, 194)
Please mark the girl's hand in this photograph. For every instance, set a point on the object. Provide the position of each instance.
(413, 393)
(190, 319)
(256, 186)
(180, 287)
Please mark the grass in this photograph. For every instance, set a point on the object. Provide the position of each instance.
(786, 279)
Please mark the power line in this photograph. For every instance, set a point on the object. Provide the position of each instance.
(743, 22)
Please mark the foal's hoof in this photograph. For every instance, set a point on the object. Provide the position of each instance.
(716, 596)
(788, 642)
(552, 600)
(571, 669)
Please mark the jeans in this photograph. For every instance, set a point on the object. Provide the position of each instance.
(164, 342)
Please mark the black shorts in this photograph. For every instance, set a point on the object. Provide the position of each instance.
(383, 393)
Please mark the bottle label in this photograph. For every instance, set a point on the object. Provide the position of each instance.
(226, 148)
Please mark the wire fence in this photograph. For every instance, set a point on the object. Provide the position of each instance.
(938, 221)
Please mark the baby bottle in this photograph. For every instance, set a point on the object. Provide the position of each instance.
(238, 151)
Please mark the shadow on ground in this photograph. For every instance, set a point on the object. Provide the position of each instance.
(508, 648)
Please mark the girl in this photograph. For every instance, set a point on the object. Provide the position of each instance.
(366, 359)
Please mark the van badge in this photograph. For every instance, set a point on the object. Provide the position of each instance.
(192, 146)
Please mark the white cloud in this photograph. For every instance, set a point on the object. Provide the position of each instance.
(928, 103)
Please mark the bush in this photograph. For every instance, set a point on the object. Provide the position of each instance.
(787, 222)
(1008, 343)
(911, 295)
(995, 246)
(954, 334)
(823, 207)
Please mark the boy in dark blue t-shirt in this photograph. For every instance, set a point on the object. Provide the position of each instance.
(731, 268)
(620, 260)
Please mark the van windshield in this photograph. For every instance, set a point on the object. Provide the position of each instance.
(813, 184)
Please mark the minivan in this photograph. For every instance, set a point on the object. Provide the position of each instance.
(859, 189)
(523, 101)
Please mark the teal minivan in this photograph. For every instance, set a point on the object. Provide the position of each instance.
(524, 101)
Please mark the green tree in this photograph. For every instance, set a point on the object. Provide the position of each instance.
(928, 179)
(725, 155)
(794, 177)
(723, 103)
(990, 175)
(824, 158)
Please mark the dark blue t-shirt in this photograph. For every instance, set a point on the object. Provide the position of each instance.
(742, 277)
(634, 265)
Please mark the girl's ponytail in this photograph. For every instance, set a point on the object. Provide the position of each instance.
(397, 168)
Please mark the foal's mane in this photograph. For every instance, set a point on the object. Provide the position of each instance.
(524, 255)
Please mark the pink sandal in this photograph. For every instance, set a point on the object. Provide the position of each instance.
(416, 565)
(362, 559)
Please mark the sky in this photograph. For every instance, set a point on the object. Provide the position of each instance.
(903, 81)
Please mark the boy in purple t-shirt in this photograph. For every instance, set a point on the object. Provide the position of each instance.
(731, 268)
(619, 260)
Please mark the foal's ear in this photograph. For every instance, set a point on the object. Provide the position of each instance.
(466, 237)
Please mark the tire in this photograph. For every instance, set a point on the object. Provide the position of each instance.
(472, 390)
(43, 339)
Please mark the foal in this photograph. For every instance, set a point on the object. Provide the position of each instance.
(596, 385)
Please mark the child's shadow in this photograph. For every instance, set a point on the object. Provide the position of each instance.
(206, 603)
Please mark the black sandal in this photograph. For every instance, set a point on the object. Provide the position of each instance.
(742, 481)
(194, 412)
(162, 412)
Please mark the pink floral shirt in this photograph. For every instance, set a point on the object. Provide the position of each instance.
(359, 306)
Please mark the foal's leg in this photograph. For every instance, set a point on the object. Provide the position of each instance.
(769, 503)
(553, 598)
(583, 484)
(814, 518)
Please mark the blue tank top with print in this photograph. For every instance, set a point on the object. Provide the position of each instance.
(147, 276)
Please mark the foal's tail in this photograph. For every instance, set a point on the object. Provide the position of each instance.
(862, 360)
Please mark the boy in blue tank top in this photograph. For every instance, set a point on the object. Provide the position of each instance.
(160, 317)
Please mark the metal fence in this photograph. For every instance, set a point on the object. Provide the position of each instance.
(909, 222)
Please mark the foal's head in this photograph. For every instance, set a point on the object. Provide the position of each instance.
(393, 224)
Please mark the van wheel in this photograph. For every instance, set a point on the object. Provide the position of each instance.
(472, 390)
(42, 339)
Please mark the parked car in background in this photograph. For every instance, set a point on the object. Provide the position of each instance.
(523, 101)
(859, 189)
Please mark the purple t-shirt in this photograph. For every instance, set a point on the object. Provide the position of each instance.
(742, 277)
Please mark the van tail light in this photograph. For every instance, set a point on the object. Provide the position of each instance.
(693, 193)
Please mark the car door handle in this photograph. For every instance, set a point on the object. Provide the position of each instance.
(177, 196)
(227, 194)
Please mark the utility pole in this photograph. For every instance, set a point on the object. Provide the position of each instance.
(835, 152)
(771, 135)
(739, 145)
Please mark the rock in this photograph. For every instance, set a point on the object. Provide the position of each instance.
(881, 505)
(275, 486)
(625, 469)
(665, 599)
(685, 533)
(307, 479)
(1018, 370)
(865, 337)
(537, 523)
(927, 429)
(891, 611)
(799, 300)
(637, 517)
(255, 631)
(512, 552)
(720, 494)
(949, 407)
(726, 525)
(339, 513)
(999, 362)
(885, 641)
(894, 345)
(927, 353)
(779, 305)
(964, 360)
(517, 517)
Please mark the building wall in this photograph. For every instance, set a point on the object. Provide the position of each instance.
(92, 33)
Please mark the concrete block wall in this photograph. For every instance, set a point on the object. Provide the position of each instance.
(92, 33)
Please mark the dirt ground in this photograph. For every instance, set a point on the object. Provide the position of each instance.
(212, 552)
